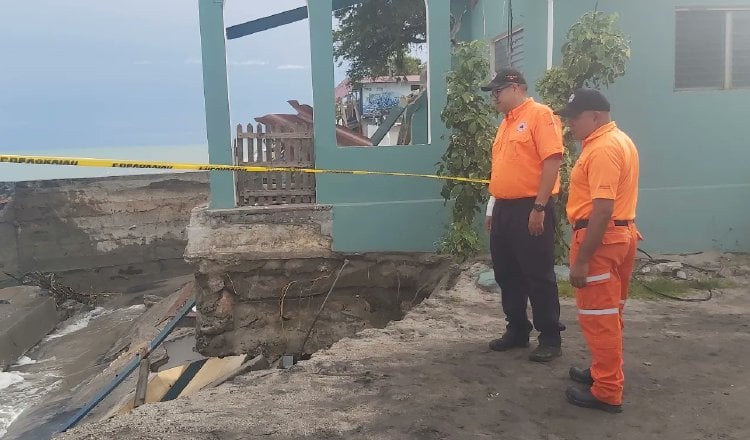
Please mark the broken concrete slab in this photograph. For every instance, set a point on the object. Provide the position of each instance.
(272, 232)
(27, 315)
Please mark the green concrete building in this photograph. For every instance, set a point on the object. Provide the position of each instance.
(682, 101)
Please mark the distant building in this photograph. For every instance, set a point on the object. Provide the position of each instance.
(366, 107)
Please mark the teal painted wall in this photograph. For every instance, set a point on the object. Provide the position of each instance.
(216, 95)
(695, 188)
(489, 20)
(402, 214)
(695, 180)
(372, 213)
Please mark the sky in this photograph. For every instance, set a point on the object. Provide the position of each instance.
(111, 73)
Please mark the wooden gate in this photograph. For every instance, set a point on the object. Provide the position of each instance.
(264, 146)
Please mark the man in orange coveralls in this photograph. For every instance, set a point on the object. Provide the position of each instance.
(601, 207)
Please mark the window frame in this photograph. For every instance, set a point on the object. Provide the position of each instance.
(728, 46)
(496, 40)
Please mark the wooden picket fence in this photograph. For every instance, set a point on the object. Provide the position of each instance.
(265, 146)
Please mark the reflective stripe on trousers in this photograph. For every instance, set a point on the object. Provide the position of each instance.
(600, 306)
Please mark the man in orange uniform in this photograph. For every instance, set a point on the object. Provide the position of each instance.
(526, 158)
(601, 208)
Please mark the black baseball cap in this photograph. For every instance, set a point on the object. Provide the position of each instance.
(585, 100)
(503, 78)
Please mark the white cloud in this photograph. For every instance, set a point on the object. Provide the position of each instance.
(243, 63)
(142, 63)
(291, 67)
(249, 63)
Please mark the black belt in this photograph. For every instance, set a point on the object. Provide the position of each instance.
(514, 202)
(522, 201)
(580, 224)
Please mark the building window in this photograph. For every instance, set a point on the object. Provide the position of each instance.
(712, 48)
(508, 52)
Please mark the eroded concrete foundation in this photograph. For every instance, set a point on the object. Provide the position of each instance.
(263, 273)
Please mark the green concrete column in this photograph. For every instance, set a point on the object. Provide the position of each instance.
(439, 56)
(321, 57)
(216, 94)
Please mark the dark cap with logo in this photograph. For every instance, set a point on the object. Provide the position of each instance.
(503, 78)
(585, 100)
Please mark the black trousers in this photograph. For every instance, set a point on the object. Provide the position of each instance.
(524, 268)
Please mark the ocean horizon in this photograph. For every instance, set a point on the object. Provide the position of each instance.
(10, 172)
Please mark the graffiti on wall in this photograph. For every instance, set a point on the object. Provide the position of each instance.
(378, 105)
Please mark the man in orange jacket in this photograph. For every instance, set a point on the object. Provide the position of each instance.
(601, 207)
(526, 156)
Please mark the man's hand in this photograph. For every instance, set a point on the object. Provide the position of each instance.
(578, 274)
(488, 223)
(536, 223)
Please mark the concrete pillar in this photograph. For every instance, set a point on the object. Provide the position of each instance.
(321, 57)
(216, 93)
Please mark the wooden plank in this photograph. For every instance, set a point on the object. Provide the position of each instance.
(251, 145)
(311, 183)
(256, 364)
(296, 151)
(260, 144)
(274, 146)
(162, 382)
(262, 157)
(142, 383)
(280, 135)
(274, 177)
(281, 160)
(254, 179)
(239, 143)
(239, 178)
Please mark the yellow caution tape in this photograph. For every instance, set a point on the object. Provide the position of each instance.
(109, 163)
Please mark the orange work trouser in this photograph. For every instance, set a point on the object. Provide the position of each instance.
(601, 303)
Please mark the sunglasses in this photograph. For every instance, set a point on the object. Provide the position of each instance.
(496, 92)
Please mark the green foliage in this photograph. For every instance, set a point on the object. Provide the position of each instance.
(471, 119)
(596, 51)
(460, 240)
(376, 37)
(595, 54)
(409, 65)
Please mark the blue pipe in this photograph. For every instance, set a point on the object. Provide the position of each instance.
(130, 367)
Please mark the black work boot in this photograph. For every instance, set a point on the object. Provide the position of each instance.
(509, 341)
(585, 399)
(581, 375)
(545, 353)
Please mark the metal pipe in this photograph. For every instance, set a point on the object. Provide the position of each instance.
(130, 367)
(550, 31)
